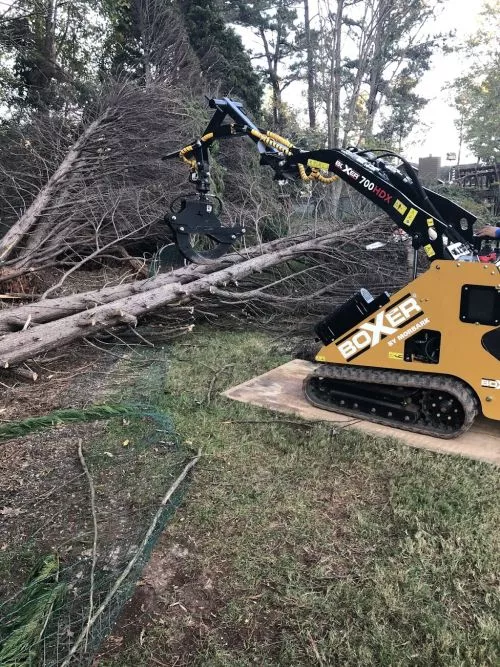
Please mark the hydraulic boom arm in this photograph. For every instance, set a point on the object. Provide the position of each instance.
(436, 224)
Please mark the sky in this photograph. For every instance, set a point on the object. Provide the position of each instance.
(439, 136)
(436, 134)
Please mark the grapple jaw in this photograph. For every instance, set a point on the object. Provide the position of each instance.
(198, 233)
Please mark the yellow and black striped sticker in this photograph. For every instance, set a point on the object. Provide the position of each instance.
(410, 217)
(396, 355)
(316, 164)
(430, 222)
(400, 207)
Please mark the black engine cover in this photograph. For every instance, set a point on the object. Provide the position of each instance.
(346, 316)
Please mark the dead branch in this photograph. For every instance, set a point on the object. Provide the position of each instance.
(214, 380)
(94, 544)
(106, 187)
(11, 239)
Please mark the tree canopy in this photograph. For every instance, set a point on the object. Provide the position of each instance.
(477, 91)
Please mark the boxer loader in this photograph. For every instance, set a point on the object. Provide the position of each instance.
(424, 359)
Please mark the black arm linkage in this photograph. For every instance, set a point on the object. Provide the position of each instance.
(435, 223)
(421, 213)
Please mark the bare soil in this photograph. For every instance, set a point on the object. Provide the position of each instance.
(174, 594)
(43, 491)
(73, 377)
(43, 499)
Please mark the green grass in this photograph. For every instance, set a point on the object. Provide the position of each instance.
(20, 637)
(321, 545)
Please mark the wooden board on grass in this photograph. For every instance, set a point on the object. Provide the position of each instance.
(281, 390)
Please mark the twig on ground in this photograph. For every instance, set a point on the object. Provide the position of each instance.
(145, 340)
(94, 544)
(131, 346)
(101, 349)
(82, 636)
(269, 421)
(349, 422)
(315, 649)
(212, 383)
(49, 360)
(159, 662)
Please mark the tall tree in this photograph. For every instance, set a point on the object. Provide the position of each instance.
(477, 91)
(273, 22)
(148, 40)
(399, 40)
(365, 46)
(477, 99)
(311, 102)
(52, 45)
(403, 106)
(220, 51)
(340, 77)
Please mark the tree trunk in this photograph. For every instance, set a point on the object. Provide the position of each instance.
(47, 310)
(17, 347)
(377, 63)
(337, 70)
(11, 240)
(375, 80)
(310, 68)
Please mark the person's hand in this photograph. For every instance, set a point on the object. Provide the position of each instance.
(489, 231)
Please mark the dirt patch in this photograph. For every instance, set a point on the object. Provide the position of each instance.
(44, 500)
(43, 494)
(71, 377)
(172, 593)
(45, 508)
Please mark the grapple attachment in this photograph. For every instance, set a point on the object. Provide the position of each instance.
(198, 233)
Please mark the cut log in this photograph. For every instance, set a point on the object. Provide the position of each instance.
(46, 310)
(21, 373)
(22, 345)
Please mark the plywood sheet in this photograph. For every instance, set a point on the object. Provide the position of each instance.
(281, 390)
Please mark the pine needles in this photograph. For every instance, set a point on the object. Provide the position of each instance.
(64, 416)
(21, 637)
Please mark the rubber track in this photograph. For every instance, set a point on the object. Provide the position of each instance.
(382, 376)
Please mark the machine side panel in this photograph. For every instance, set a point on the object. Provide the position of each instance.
(431, 303)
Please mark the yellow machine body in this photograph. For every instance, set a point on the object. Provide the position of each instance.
(430, 302)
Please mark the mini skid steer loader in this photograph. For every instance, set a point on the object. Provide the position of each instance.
(426, 358)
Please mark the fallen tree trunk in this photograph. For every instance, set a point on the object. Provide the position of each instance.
(11, 240)
(19, 346)
(46, 310)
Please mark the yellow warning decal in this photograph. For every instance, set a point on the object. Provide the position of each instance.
(400, 207)
(429, 250)
(396, 355)
(430, 222)
(318, 165)
(320, 357)
(410, 217)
